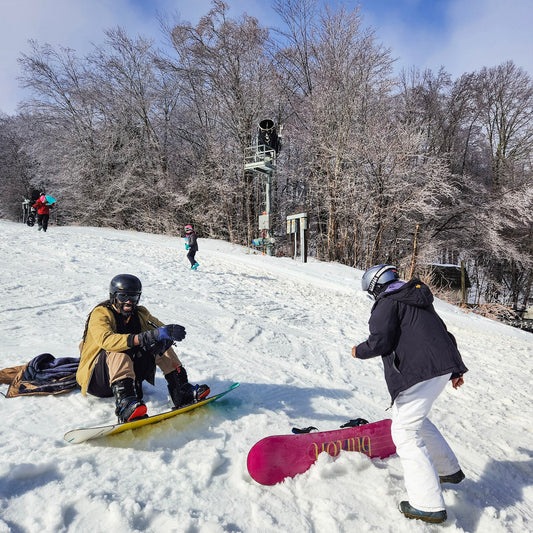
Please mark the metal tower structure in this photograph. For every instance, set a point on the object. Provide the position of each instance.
(260, 159)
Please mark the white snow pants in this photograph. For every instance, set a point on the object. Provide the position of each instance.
(423, 452)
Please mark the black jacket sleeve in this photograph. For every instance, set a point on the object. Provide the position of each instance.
(384, 325)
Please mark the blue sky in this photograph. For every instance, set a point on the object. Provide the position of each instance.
(460, 35)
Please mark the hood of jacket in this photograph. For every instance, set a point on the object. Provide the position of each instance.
(413, 293)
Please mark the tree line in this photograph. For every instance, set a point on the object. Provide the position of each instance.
(409, 169)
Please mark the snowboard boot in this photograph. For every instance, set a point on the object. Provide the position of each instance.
(195, 266)
(435, 517)
(138, 385)
(453, 478)
(181, 391)
(128, 406)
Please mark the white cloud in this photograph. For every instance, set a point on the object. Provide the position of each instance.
(472, 34)
(77, 24)
(73, 24)
(487, 33)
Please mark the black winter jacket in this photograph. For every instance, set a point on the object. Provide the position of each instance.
(192, 241)
(411, 338)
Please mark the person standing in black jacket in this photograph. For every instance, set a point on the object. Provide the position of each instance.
(419, 357)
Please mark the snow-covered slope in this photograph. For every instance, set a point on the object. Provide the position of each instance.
(284, 330)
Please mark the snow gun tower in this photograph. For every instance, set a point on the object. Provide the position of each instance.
(260, 160)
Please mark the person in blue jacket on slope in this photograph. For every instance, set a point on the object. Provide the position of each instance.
(419, 357)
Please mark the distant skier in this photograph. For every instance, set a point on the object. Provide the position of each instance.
(419, 357)
(43, 211)
(122, 344)
(191, 245)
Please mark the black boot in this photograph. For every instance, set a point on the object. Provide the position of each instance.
(138, 385)
(181, 391)
(128, 406)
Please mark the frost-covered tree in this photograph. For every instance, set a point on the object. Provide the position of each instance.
(105, 115)
(17, 168)
(409, 170)
(504, 97)
(224, 66)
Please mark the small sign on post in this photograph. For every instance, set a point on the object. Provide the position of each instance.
(297, 224)
(264, 222)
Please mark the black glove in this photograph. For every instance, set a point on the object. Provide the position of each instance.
(172, 332)
(175, 332)
(157, 348)
(354, 423)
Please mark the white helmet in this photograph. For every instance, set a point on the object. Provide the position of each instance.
(376, 278)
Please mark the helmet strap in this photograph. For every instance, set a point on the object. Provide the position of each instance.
(374, 281)
(375, 278)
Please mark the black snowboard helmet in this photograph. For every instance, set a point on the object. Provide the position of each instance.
(124, 287)
(376, 278)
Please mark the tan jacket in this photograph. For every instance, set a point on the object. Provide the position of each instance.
(101, 335)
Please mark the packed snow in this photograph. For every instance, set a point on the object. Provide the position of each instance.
(283, 329)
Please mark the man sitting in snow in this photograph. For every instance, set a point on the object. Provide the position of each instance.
(122, 344)
(419, 357)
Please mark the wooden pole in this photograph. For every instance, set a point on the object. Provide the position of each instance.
(463, 284)
(415, 251)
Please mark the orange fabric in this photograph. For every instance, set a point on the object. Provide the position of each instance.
(7, 375)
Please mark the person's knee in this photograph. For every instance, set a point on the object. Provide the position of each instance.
(120, 366)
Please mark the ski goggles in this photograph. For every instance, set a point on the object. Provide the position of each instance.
(124, 297)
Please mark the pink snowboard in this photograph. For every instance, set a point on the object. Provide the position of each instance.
(274, 458)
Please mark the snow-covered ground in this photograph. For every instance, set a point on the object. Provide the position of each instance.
(284, 330)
